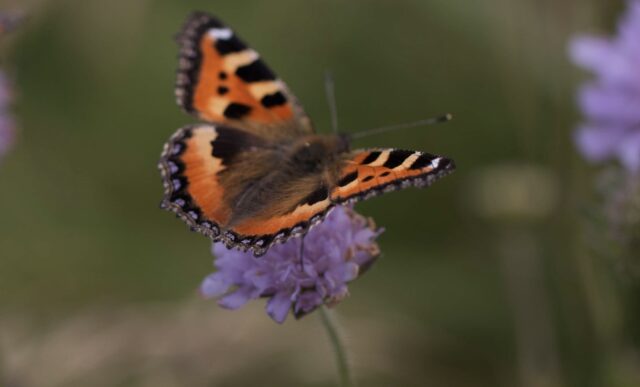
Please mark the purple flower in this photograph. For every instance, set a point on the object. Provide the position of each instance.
(335, 252)
(9, 21)
(611, 103)
(7, 127)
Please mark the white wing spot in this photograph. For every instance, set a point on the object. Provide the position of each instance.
(220, 33)
(435, 162)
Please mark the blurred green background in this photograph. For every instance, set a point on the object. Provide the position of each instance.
(486, 278)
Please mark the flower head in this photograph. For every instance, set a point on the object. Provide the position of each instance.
(6, 121)
(334, 253)
(611, 103)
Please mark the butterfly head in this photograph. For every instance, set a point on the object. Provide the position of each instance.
(343, 142)
(315, 152)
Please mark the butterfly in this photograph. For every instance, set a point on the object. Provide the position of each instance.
(255, 172)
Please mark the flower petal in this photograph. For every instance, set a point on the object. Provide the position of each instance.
(278, 307)
(629, 152)
(611, 104)
(214, 285)
(237, 299)
(307, 302)
(598, 144)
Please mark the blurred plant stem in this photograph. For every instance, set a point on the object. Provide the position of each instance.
(333, 331)
(538, 358)
(516, 197)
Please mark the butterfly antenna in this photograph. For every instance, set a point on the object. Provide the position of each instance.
(330, 91)
(430, 121)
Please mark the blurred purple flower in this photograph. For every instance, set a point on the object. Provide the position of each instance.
(336, 251)
(7, 127)
(9, 21)
(611, 103)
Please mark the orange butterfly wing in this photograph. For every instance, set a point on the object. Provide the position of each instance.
(223, 81)
(193, 166)
(190, 176)
(220, 79)
(372, 172)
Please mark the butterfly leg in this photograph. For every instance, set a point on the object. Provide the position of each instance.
(302, 253)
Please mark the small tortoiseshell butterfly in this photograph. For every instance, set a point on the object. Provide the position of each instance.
(257, 173)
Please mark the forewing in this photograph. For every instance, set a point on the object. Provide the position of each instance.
(220, 79)
(371, 172)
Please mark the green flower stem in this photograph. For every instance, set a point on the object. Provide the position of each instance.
(331, 326)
